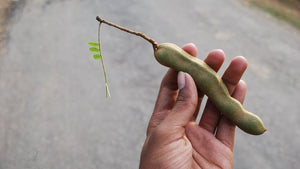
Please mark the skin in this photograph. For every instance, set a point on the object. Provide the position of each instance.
(174, 140)
(210, 83)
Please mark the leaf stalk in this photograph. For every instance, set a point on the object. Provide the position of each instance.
(103, 67)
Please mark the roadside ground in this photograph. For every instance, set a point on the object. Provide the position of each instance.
(4, 6)
(286, 10)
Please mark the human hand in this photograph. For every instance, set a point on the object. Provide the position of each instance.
(174, 140)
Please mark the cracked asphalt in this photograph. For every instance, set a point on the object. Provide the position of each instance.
(52, 93)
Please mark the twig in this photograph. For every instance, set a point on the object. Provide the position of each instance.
(152, 41)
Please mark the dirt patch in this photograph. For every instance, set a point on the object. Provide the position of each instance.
(286, 10)
(3, 6)
(7, 9)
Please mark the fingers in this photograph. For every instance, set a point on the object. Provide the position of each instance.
(186, 103)
(167, 93)
(191, 49)
(215, 59)
(231, 77)
(165, 100)
(226, 128)
(234, 72)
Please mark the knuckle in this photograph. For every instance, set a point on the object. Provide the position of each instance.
(186, 102)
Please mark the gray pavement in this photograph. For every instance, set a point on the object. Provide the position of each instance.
(54, 113)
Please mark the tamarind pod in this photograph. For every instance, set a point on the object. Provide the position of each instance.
(208, 81)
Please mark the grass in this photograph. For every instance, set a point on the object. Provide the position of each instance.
(286, 10)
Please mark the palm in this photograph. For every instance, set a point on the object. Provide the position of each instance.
(187, 149)
(208, 151)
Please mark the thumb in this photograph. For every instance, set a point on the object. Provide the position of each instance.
(186, 102)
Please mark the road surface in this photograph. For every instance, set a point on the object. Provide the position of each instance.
(54, 113)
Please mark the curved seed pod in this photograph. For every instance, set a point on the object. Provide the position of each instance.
(208, 81)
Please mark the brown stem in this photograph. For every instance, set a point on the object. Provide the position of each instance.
(152, 41)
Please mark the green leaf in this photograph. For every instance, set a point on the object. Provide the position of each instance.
(93, 44)
(97, 57)
(94, 50)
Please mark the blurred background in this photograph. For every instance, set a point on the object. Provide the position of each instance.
(53, 110)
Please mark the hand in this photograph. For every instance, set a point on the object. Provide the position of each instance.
(174, 140)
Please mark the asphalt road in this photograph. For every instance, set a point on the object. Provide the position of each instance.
(54, 113)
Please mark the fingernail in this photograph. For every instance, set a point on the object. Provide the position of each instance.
(181, 80)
